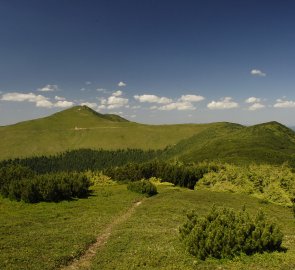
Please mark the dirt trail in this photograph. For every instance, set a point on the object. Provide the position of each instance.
(84, 262)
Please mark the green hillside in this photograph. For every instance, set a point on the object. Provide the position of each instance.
(269, 142)
(81, 127)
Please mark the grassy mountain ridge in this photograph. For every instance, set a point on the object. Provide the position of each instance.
(81, 127)
(269, 142)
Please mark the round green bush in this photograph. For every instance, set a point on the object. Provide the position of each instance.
(143, 186)
(224, 233)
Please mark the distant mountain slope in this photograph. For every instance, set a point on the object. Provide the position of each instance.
(269, 142)
(81, 127)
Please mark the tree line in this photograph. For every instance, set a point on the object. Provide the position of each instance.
(83, 160)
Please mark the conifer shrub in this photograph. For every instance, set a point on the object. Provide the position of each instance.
(143, 186)
(22, 184)
(223, 233)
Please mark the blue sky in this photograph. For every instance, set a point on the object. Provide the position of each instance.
(189, 61)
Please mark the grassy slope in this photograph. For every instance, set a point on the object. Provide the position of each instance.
(265, 143)
(149, 239)
(45, 235)
(57, 133)
(270, 142)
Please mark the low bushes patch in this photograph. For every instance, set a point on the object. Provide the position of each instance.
(143, 187)
(223, 233)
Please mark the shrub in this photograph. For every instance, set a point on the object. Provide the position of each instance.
(20, 183)
(143, 187)
(224, 233)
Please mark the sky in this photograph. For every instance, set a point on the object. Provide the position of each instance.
(151, 61)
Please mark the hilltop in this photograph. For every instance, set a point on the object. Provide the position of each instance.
(81, 127)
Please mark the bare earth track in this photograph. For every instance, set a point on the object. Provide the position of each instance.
(84, 262)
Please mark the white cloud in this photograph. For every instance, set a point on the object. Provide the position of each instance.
(252, 100)
(88, 83)
(121, 84)
(116, 102)
(152, 99)
(83, 89)
(39, 100)
(180, 106)
(191, 98)
(101, 107)
(222, 104)
(256, 106)
(257, 72)
(91, 105)
(63, 104)
(48, 88)
(59, 98)
(284, 104)
(44, 104)
(117, 93)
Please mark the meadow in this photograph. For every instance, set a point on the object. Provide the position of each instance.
(49, 235)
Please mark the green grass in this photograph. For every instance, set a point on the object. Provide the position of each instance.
(149, 239)
(57, 133)
(81, 127)
(47, 235)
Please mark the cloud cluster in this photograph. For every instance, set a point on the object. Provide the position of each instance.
(181, 104)
(39, 100)
(280, 103)
(152, 99)
(257, 72)
(223, 104)
(122, 84)
(114, 101)
(255, 103)
(49, 88)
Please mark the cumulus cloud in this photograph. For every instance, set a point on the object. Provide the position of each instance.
(191, 98)
(121, 84)
(117, 93)
(180, 106)
(223, 104)
(256, 106)
(48, 88)
(63, 104)
(39, 100)
(91, 105)
(114, 101)
(252, 100)
(284, 103)
(87, 82)
(257, 72)
(152, 99)
(59, 98)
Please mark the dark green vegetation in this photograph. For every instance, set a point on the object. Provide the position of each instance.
(81, 127)
(143, 187)
(20, 183)
(177, 174)
(46, 235)
(83, 160)
(223, 233)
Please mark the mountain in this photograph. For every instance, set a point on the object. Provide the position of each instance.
(81, 127)
(270, 142)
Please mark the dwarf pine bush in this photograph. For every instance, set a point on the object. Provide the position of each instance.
(143, 186)
(223, 233)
